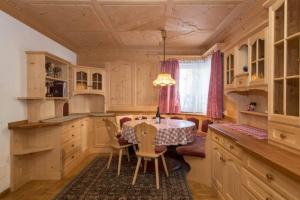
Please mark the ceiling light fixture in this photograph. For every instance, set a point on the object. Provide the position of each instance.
(163, 78)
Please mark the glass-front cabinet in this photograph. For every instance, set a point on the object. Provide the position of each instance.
(88, 80)
(258, 58)
(286, 59)
(229, 71)
(284, 118)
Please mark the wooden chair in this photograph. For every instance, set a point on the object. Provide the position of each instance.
(195, 120)
(175, 117)
(116, 143)
(147, 149)
(123, 120)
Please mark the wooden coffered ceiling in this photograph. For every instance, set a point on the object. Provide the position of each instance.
(135, 24)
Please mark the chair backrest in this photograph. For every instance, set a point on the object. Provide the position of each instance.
(175, 117)
(112, 130)
(137, 118)
(205, 123)
(145, 135)
(123, 120)
(195, 120)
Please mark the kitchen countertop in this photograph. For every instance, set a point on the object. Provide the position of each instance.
(55, 121)
(287, 162)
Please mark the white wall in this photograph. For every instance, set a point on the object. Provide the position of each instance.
(15, 39)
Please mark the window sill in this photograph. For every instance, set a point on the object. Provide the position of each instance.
(190, 114)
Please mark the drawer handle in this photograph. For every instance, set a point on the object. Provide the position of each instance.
(231, 147)
(73, 126)
(72, 145)
(217, 138)
(72, 157)
(81, 124)
(269, 177)
(282, 136)
(268, 198)
(73, 135)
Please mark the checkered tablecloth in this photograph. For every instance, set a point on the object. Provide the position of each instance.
(170, 131)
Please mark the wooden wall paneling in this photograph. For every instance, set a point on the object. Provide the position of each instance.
(120, 83)
(146, 94)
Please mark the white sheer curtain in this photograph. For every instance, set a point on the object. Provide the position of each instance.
(194, 76)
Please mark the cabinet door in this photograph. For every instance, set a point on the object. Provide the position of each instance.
(84, 134)
(217, 168)
(97, 81)
(232, 178)
(81, 80)
(101, 138)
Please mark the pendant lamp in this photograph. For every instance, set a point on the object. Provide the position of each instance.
(164, 79)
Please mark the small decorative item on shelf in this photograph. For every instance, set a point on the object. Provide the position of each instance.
(50, 69)
(57, 72)
(245, 68)
(251, 106)
(261, 75)
(49, 85)
(254, 77)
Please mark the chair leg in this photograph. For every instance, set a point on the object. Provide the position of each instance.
(156, 173)
(165, 165)
(110, 157)
(136, 170)
(127, 152)
(120, 160)
(145, 166)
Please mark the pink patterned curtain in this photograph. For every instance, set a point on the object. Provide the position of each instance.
(169, 95)
(215, 94)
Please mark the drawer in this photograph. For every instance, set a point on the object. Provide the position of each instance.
(73, 126)
(71, 135)
(284, 185)
(241, 81)
(257, 188)
(246, 195)
(71, 159)
(233, 148)
(286, 135)
(217, 138)
(71, 146)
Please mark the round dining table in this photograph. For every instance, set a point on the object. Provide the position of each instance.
(170, 133)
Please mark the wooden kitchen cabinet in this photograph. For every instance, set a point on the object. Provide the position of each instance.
(89, 80)
(99, 138)
(226, 173)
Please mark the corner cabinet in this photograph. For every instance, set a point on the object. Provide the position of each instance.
(89, 80)
(284, 118)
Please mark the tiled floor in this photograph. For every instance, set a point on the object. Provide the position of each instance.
(44, 190)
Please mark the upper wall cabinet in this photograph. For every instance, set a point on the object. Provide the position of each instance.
(229, 69)
(258, 65)
(284, 98)
(89, 80)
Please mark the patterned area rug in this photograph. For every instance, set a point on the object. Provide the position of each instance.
(95, 182)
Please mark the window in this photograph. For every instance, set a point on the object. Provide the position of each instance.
(194, 85)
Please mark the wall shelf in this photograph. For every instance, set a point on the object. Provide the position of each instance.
(29, 98)
(32, 150)
(55, 79)
(261, 114)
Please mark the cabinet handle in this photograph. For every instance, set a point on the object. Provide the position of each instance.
(217, 138)
(73, 126)
(72, 157)
(231, 147)
(268, 198)
(269, 177)
(72, 145)
(72, 135)
(81, 124)
(222, 159)
(282, 136)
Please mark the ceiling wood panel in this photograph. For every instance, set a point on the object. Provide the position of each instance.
(132, 23)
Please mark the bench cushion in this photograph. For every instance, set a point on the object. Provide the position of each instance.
(196, 148)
